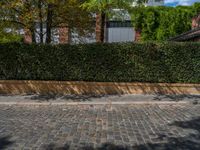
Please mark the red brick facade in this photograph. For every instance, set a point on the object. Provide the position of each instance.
(137, 35)
(192, 35)
(64, 35)
(196, 22)
(98, 28)
(27, 36)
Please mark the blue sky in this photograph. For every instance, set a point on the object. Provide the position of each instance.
(180, 2)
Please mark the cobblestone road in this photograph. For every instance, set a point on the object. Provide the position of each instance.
(121, 127)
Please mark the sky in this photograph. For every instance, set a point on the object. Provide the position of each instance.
(180, 2)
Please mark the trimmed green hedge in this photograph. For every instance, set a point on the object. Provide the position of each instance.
(122, 62)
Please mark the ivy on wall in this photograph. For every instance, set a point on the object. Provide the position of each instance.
(160, 23)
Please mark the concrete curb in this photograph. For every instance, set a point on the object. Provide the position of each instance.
(13, 87)
(94, 103)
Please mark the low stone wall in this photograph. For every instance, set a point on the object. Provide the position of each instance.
(13, 87)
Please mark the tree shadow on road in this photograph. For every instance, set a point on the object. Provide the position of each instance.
(191, 141)
(195, 99)
(187, 142)
(5, 142)
(105, 146)
(76, 98)
(174, 97)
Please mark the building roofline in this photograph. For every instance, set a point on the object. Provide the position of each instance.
(185, 33)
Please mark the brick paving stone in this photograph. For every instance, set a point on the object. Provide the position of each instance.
(124, 127)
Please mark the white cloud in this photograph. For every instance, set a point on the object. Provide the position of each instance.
(171, 1)
(181, 2)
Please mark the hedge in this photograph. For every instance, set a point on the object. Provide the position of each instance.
(117, 62)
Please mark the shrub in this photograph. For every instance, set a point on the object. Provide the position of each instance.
(9, 37)
(117, 62)
(161, 23)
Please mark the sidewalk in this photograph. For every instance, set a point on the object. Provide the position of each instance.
(97, 100)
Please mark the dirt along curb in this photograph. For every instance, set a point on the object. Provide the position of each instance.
(92, 100)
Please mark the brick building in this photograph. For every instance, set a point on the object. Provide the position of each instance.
(192, 35)
(115, 31)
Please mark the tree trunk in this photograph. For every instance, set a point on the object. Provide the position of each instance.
(103, 25)
(33, 36)
(40, 21)
(49, 23)
(32, 30)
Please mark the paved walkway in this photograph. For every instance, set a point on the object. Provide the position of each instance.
(99, 127)
(102, 99)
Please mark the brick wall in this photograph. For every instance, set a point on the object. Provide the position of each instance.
(98, 28)
(64, 35)
(27, 36)
(137, 35)
(196, 22)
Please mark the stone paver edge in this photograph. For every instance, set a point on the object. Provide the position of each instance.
(94, 103)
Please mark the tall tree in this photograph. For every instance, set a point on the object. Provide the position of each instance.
(48, 14)
(50, 8)
(40, 14)
(19, 14)
(66, 14)
(104, 7)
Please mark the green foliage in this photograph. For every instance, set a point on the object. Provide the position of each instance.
(20, 14)
(106, 6)
(9, 37)
(161, 23)
(6, 37)
(122, 62)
